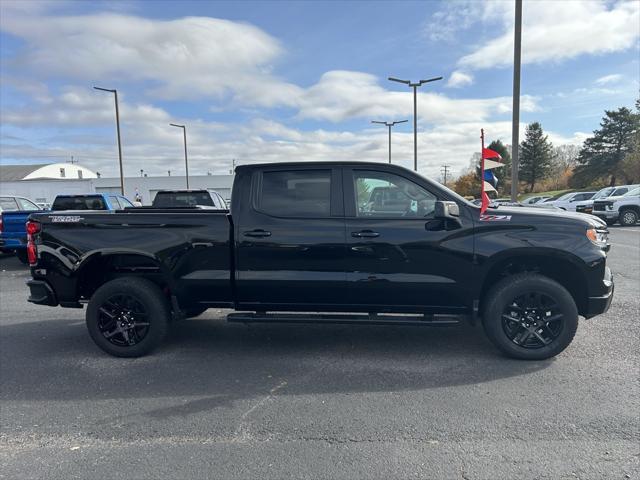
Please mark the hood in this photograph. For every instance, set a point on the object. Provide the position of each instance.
(610, 199)
(540, 213)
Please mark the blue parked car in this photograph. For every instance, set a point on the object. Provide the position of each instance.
(14, 212)
(13, 216)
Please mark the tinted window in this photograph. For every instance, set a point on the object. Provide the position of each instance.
(302, 193)
(27, 204)
(8, 204)
(380, 194)
(182, 199)
(620, 191)
(80, 202)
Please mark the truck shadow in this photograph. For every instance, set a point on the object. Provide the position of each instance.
(56, 360)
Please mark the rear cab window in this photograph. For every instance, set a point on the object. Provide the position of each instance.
(79, 202)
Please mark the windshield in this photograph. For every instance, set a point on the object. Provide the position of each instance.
(605, 192)
(566, 196)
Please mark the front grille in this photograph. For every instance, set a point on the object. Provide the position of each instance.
(601, 206)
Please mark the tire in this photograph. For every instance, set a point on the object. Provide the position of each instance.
(194, 311)
(628, 217)
(518, 330)
(128, 317)
(22, 256)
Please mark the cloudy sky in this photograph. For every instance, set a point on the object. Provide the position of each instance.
(275, 81)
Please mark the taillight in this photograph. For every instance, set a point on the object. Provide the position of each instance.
(32, 251)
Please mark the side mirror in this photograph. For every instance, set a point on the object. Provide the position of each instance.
(447, 210)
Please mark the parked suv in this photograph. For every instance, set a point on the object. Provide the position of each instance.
(624, 209)
(568, 200)
(586, 206)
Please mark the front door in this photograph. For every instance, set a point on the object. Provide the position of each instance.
(291, 240)
(399, 257)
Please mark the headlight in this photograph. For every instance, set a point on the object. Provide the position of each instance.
(598, 237)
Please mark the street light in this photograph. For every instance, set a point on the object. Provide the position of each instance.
(115, 93)
(415, 86)
(186, 162)
(389, 124)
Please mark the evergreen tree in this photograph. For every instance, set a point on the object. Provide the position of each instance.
(536, 155)
(603, 154)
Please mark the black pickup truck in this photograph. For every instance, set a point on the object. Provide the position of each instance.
(347, 242)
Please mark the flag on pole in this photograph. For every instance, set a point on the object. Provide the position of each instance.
(488, 154)
(488, 160)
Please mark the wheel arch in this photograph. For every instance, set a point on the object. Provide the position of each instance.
(562, 268)
(100, 267)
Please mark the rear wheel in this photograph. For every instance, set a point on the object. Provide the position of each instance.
(128, 317)
(530, 317)
(628, 217)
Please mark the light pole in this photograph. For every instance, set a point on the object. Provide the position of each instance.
(389, 124)
(115, 93)
(186, 162)
(515, 120)
(415, 86)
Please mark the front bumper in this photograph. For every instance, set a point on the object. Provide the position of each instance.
(601, 303)
(41, 293)
(606, 214)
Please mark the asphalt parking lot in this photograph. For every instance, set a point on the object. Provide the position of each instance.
(279, 401)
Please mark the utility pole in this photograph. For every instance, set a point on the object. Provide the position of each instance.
(186, 162)
(415, 86)
(389, 125)
(115, 93)
(515, 122)
(445, 172)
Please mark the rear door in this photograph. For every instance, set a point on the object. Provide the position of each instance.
(399, 257)
(290, 239)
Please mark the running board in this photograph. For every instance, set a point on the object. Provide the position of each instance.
(348, 319)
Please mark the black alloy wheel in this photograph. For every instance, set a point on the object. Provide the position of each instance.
(529, 316)
(532, 320)
(128, 316)
(123, 320)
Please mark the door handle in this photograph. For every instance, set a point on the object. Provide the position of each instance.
(257, 233)
(365, 234)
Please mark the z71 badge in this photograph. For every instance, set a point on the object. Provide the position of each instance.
(65, 219)
(495, 218)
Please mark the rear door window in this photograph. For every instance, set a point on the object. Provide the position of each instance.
(115, 204)
(296, 193)
(27, 204)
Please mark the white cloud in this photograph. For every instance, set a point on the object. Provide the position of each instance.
(555, 31)
(190, 57)
(607, 79)
(459, 79)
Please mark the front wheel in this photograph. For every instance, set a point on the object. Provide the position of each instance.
(128, 317)
(628, 218)
(530, 317)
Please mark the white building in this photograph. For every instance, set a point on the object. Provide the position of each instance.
(41, 183)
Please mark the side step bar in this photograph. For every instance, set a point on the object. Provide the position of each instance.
(348, 319)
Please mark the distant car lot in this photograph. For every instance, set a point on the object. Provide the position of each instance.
(274, 401)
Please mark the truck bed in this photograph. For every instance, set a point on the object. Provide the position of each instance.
(190, 249)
